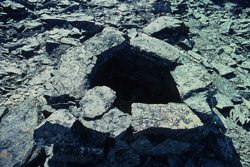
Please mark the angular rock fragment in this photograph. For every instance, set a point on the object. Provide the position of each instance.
(96, 101)
(196, 79)
(222, 69)
(16, 134)
(162, 23)
(226, 27)
(55, 129)
(115, 122)
(223, 102)
(156, 47)
(149, 118)
(198, 103)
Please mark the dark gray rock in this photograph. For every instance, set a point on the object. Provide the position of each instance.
(157, 118)
(114, 122)
(95, 102)
(16, 134)
(142, 146)
(55, 129)
(196, 79)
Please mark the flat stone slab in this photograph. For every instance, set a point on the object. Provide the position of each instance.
(115, 122)
(156, 47)
(174, 116)
(190, 78)
(160, 24)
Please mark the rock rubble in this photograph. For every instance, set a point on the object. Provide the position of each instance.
(124, 83)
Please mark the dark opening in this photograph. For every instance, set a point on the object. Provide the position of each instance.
(136, 79)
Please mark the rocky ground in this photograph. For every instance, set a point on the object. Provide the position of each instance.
(124, 83)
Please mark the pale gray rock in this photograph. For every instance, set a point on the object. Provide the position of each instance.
(222, 69)
(55, 129)
(96, 101)
(114, 122)
(13, 70)
(225, 27)
(190, 78)
(223, 102)
(16, 134)
(245, 65)
(146, 118)
(156, 47)
(162, 23)
(198, 103)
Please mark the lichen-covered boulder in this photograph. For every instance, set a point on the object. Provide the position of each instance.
(154, 118)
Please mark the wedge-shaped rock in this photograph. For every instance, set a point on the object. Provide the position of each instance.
(156, 47)
(160, 24)
(149, 118)
(96, 101)
(190, 78)
(77, 64)
(114, 122)
(16, 135)
(55, 129)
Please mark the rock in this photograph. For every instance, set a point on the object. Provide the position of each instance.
(198, 103)
(28, 50)
(222, 69)
(223, 102)
(75, 70)
(155, 118)
(162, 23)
(196, 79)
(226, 27)
(55, 129)
(225, 87)
(245, 65)
(13, 70)
(114, 122)
(96, 101)
(156, 47)
(194, 55)
(16, 134)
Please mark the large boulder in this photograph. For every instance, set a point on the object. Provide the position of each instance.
(159, 118)
(16, 134)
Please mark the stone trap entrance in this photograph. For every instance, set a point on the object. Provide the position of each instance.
(136, 78)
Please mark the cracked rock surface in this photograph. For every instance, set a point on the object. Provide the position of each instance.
(124, 83)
